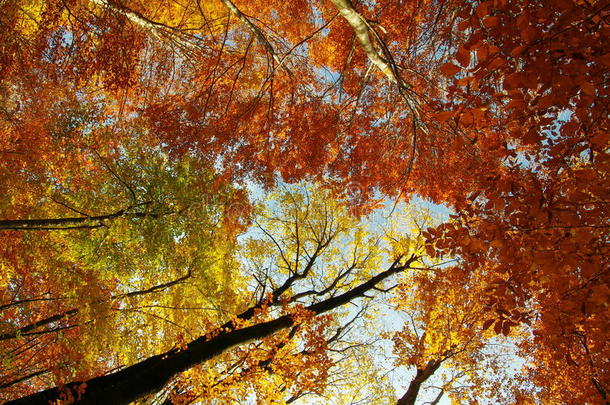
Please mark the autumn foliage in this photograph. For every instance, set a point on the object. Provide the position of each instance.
(218, 200)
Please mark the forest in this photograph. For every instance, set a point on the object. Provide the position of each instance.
(308, 201)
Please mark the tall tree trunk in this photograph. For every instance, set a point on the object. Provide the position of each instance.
(151, 375)
(422, 375)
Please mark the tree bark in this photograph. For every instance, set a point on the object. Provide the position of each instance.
(361, 29)
(383, 60)
(69, 222)
(422, 375)
(58, 223)
(151, 375)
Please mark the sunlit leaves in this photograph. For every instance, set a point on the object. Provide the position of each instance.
(130, 118)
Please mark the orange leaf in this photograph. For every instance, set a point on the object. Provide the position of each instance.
(467, 118)
(506, 328)
(449, 69)
(463, 56)
(517, 51)
(529, 34)
(465, 81)
(483, 8)
(491, 22)
(601, 140)
(444, 116)
(588, 88)
(497, 243)
(605, 59)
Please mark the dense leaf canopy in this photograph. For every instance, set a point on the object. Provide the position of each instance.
(222, 201)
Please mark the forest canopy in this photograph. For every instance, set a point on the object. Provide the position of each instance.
(309, 201)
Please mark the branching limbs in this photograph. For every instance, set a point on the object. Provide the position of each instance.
(367, 35)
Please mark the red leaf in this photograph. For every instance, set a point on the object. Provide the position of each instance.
(605, 59)
(529, 34)
(498, 327)
(444, 116)
(463, 56)
(449, 69)
(491, 22)
(506, 328)
(517, 51)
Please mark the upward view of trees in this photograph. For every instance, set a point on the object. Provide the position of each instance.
(309, 201)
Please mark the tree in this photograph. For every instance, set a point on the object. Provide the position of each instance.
(75, 290)
(496, 109)
(447, 339)
(315, 232)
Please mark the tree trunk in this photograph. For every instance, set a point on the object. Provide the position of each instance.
(47, 224)
(150, 375)
(422, 375)
(57, 223)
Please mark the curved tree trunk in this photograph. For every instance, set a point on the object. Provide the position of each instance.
(422, 375)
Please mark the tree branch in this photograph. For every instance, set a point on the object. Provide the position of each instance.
(151, 375)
